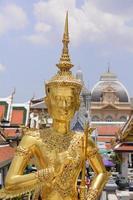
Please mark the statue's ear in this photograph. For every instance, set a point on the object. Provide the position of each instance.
(78, 104)
(46, 100)
(47, 104)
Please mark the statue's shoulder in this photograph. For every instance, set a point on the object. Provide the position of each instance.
(45, 133)
(30, 137)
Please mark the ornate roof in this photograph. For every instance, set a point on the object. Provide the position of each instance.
(124, 138)
(126, 132)
(109, 80)
(108, 130)
(128, 147)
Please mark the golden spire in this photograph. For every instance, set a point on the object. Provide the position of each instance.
(65, 63)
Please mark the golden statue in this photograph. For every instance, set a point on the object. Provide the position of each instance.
(58, 152)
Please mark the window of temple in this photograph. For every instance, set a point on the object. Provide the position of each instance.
(123, 118)
(95, 118)
(109, 118)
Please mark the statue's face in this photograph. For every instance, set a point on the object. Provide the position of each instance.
(62, 103)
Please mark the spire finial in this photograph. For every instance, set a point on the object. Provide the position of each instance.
(108, 67)
(66, 32)
(65, 62)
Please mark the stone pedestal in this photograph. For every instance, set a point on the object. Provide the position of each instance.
(112, 197)
(123, 195)
(103, 195)
(131, 195)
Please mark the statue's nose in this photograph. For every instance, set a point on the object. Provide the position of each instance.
(64, 103)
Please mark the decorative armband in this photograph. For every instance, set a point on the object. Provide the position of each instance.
(22, 151)
(92, 194)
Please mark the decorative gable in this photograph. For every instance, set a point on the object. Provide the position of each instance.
(5, 107)
(18, 116)
(109, 107)
(109, 95)
(78, 127)
(109, 88)
(126, 133)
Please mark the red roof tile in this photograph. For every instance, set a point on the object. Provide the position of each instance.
(17, 117)
(2, 111)
(107, 130)
(10, 132)
(104, 139)
(124, 147)
(6, 153)
(108, 146)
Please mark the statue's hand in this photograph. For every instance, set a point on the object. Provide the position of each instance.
(45, 174)
(62, 160)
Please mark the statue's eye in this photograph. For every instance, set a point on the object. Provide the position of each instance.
(48, 90)
(69, 100)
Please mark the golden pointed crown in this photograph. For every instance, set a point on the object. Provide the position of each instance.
(64, 76)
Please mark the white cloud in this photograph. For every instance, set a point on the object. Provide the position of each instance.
(2, 67)
(89, 23)
(42, 27)
(12, 17)
(37, 39)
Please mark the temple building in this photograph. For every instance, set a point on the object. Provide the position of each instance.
(111, 106)
(110, 100)
(12, 117)
(123, 146)
(107, 107)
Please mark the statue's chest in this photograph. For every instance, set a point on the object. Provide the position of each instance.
(70, 143)
(57, 143)
(71, 170)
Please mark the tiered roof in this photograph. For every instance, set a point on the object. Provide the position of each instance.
(108, 130)
(12, 116)
(124, 139)
(105, 133)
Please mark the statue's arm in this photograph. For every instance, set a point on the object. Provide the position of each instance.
(15, 178)
(101, 175)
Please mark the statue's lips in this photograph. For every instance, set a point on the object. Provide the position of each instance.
(63, 112)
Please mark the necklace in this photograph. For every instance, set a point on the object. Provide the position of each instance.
(54, 141)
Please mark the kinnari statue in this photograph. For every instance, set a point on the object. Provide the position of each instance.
(59, 153)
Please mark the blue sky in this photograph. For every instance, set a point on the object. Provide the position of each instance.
(31, 31)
